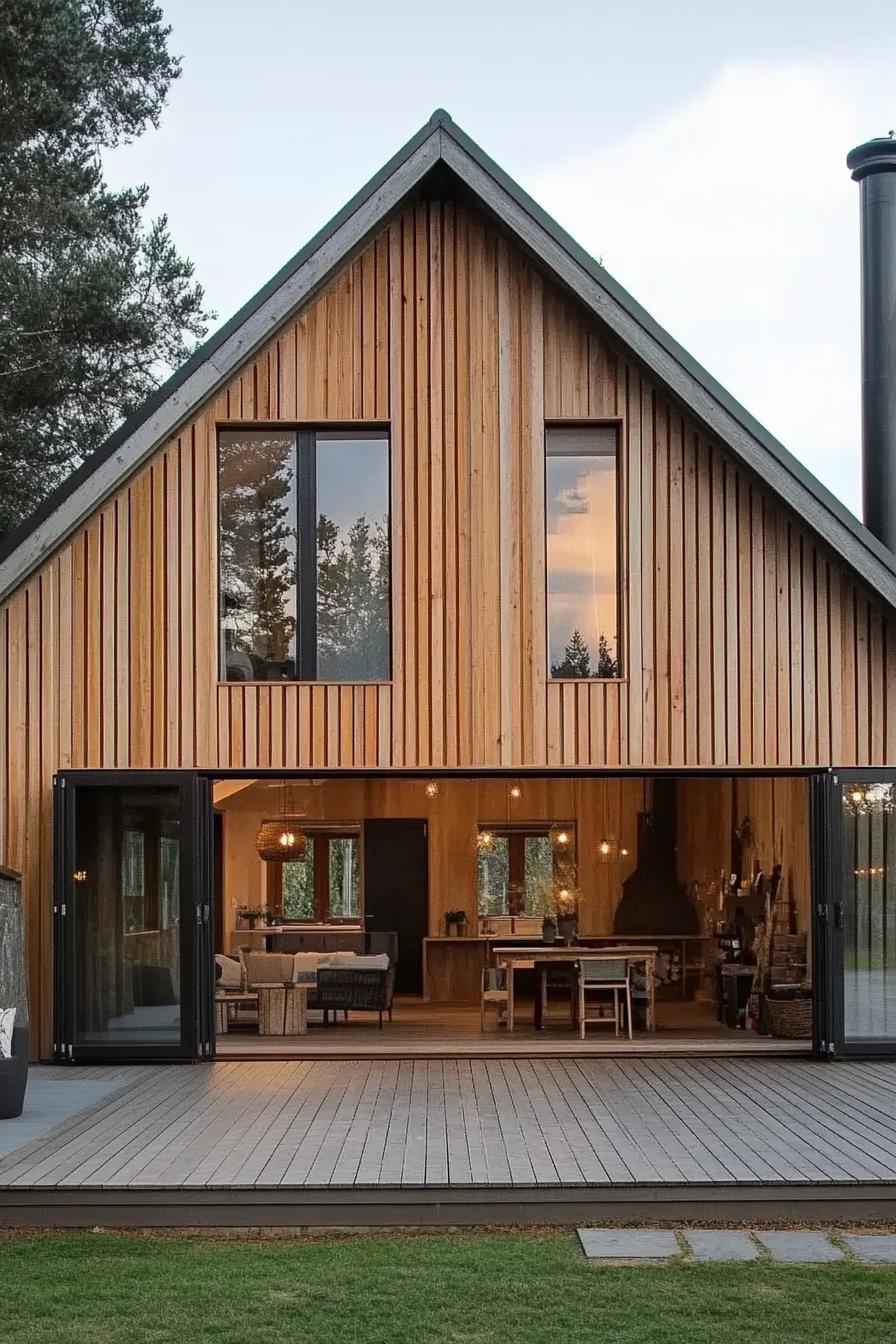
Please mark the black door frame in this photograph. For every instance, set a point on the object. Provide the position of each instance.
(197, 1037)
(831, 1038)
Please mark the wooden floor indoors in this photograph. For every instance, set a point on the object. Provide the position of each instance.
(350, 1142)
(439, 1031)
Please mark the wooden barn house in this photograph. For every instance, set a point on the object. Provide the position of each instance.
(443, 616)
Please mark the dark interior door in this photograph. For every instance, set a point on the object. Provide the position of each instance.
(396, 886)
(133, 909)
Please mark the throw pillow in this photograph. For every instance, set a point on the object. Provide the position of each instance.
(231, 972)
(340, 961)
(7, 1022)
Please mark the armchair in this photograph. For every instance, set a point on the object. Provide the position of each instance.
(364, 990)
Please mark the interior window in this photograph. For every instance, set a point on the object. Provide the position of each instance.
(150, 872)
(581, 505)
(304, 555)
(518, 869)
(324, 886)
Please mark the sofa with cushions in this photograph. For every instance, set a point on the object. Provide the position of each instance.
(338, 981)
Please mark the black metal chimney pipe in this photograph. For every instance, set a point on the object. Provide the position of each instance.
(873, 166)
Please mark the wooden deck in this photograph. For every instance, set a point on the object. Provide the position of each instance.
(463, 1140)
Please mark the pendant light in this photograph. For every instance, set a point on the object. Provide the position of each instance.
(281, 839)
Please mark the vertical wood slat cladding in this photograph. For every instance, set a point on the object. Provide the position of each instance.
(743, 641)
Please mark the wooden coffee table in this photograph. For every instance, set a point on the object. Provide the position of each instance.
(282, 1009)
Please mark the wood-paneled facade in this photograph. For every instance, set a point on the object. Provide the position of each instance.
(744, 642)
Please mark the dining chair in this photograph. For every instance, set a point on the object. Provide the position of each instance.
(494, 992)
(604, 975)
(555, 975)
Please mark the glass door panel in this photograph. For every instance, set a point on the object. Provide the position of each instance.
(132, 915)
(865, 914)
(126, 917)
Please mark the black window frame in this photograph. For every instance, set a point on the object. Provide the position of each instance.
(606, 422)
(306, 437)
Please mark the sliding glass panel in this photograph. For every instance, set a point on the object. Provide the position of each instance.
(257, 548)
(867, 913)
(582, 581)
(352, 472)
(125, 921)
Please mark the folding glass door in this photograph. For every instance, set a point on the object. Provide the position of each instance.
(856, 913)
(133, 917)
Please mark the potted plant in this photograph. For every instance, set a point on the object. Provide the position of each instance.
(566, 902)
(251, 916)
(545, 903)
(455, 923)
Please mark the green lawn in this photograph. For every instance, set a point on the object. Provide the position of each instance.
(447, 1289)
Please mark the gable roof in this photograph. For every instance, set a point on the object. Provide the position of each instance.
(440, 144)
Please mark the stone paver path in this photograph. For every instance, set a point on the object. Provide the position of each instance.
(721, 1244)
(877, 1248)
(627, 1243)
(799, 1248)
(642, 1245)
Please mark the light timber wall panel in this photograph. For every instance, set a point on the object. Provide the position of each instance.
(743, 641)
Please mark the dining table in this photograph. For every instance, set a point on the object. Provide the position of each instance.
(522, 957)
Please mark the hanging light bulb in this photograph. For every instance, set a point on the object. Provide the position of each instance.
(432, 789)
(485, 840)
(607, 850)
(863, 799)
(560, 838)
(516, 791)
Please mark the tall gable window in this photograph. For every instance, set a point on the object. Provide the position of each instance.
(581, 507)
(303, 523)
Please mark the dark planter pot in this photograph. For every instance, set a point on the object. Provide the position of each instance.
(14, 1076)
(548, 931)
(567, 926)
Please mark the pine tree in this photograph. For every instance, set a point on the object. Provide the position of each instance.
(258, 543)
(352, 600)
(607, 665)
(576, 659)
(96, 305)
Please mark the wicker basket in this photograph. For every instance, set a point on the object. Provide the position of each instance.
(789, 1019)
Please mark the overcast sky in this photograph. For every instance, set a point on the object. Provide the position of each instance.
(696, 147)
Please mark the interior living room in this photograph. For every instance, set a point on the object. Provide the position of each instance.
(402, 915)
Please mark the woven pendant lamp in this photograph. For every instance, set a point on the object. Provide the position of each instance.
(281, 839)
